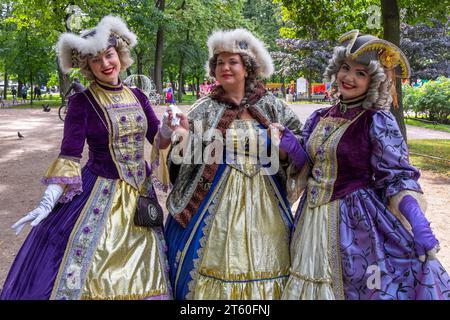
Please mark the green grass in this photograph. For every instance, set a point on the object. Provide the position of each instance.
(439, 127)
(37, 104)
(187, 99)
(435, 148)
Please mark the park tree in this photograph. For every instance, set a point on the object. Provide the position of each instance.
(192, 23)
(307, 58)
(264, 18)
(27, 52)
(428, 49)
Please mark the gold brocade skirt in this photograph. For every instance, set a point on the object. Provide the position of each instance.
(246, 252)
(127, 260)
(311, 276)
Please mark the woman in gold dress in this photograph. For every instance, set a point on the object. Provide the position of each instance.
(230, 220)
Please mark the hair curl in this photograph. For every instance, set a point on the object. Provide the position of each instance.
(379, 91)
(123, 52)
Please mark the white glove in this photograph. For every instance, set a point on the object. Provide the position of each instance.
(165, 130)
(48, 202)
(175, 119)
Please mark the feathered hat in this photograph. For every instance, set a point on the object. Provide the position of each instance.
(241, 41)
(72, 47)
(366, 47)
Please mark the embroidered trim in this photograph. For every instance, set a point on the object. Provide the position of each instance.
(143, 296)
(313, 280)
(207, 177)
(74, 186)
(334, 249)
(322, 145)
(210, 170)
(83, 242)
(210, 207)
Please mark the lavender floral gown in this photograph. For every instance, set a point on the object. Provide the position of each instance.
(347, 242)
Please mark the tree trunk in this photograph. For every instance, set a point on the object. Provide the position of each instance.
(29, 66)
(64, 82)
(180, 79)
(308, 81)
(139, 62)
(160, 4)
(197, 87)
(391, 24)
(5, 85)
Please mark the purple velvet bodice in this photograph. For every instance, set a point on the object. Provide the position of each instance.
(83, 124)
(370, 153)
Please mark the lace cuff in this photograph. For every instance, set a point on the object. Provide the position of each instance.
(65, 172)
(158, 166)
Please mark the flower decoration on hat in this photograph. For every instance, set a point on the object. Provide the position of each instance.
(389, 55)
(389, 58)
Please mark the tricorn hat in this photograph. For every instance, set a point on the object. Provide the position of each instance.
(366, 47)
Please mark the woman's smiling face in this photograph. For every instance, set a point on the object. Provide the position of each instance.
(106, 66)
(353, 79)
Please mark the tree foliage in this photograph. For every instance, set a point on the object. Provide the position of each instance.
(428, 49)
(431, 99)
(306, 58)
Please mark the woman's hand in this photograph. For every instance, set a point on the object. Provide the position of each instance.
(426, 243)
(290, 146)
(277, 132)
(48, 202)
(183, 120)
(171, 122)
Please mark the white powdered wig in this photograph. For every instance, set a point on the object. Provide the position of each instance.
(92, 41)
(241, 41)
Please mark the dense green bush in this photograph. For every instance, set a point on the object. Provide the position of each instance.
(431, 100)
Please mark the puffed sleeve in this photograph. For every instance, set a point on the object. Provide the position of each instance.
(66, 168)
(394, 176)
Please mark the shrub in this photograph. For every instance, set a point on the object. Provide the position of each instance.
(432, 99)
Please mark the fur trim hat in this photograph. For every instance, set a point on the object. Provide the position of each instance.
(241, 41)
(366, 47)
(71, 47)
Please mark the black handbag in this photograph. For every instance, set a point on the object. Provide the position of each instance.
(148, 213)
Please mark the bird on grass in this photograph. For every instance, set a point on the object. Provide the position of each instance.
(46, 108)
(20, 135)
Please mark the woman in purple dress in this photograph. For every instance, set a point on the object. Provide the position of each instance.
(84, 243)
(360, 229)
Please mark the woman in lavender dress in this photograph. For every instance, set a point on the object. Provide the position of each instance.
(84, 243)
(360, 229)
